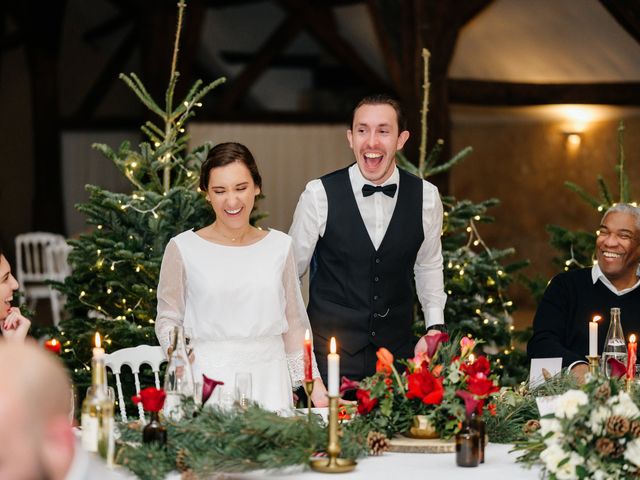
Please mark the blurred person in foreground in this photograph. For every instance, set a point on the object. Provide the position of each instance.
(37, 441)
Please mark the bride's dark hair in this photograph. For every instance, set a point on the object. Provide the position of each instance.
(224, 154)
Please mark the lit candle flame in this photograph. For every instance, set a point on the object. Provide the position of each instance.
(632, 338)
(332, 345)
(97, 340)
(306, 334)
(596, 318)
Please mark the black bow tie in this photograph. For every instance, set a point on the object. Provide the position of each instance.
(389, 190)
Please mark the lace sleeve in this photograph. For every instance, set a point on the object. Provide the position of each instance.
(171, 292)
(298, 322)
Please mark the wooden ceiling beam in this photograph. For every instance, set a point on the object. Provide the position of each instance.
(627, 14)
(276, 43)
(107, 76)
(319, 22)
(478, 92)
(384, 41)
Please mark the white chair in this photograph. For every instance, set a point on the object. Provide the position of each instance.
(56, 256)
(34, 266)
(134, 357)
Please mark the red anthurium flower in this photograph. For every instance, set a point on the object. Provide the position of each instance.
(481, 386)
(347, 385)
(152, 399)
(385, 360)
(470, 401)
(618, 369)
(425, 387)
(365, 403)
(434, 341)
(208, 386)
(479, 365)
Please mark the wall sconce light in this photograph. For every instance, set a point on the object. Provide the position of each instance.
(573, 139)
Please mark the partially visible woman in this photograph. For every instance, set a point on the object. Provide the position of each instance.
(13, 325)
(235, 288)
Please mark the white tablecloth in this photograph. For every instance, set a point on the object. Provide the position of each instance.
(499, 464)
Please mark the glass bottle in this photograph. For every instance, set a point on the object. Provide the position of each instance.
(154, 431)
(178, 380)
(478, 423)
(614, 344)
(467, 446)
(97, 414)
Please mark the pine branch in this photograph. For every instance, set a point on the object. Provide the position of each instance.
(450, 163)
(583, 194)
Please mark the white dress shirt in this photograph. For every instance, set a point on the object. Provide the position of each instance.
(310, 222)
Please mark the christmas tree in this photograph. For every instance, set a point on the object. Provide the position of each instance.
(116, 266)
(475, 277)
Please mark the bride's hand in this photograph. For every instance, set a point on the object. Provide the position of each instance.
(319, 395)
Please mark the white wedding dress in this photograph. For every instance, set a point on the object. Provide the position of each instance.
(243, 309)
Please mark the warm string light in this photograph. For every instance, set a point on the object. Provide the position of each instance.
(475, 239)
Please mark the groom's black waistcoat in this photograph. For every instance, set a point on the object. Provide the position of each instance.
(361, 296)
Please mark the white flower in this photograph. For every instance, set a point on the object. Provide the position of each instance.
(552, 425)
(624, 406)
(553, 455)
(569, 402)
(632, 452)
(598, 418)
(568, 470)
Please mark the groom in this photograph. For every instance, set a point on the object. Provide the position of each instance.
(364, 229)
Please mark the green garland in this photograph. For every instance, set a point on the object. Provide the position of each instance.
(211, 440)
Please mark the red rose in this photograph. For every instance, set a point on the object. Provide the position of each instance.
(479, 365)
(481, 386)
(152, 399)
(425, 387)
(365, 403)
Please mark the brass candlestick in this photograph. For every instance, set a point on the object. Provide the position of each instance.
(333, 464)
(308, 389)
(594, 364)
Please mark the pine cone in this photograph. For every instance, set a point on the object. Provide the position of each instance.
(617, 426)
(603, 392)
(378, 443)
(531, 426)
(181, 461)
(605, 446)
(618, 451)
(634, 429)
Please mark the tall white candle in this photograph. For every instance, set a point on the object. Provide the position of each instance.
(333, 370)
(98, 351)
(593, 336)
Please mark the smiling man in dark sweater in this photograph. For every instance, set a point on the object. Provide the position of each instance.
(572, 299)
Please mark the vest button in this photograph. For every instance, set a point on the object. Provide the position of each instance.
(376, 278)
(375, 297)
(377, 260)
(375, 315)
(373, 334)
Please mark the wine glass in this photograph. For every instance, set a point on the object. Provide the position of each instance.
(243, 389)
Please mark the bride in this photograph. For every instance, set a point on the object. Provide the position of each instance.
(235, 288)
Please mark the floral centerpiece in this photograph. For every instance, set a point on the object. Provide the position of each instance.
(593, 433)
(444, 384)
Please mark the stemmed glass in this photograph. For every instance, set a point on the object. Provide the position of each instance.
(243, 389)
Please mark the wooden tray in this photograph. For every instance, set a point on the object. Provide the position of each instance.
(403, 444)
